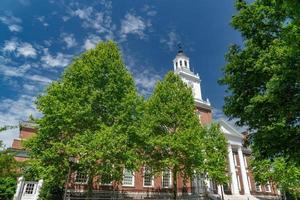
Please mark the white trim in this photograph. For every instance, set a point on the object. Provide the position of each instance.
(133, 177)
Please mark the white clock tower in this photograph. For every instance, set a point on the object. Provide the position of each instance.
(182, 67)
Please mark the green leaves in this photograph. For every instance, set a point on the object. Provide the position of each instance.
(91, 114)
(174, 138)
(263, 76)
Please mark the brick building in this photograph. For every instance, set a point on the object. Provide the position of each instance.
(141, 184)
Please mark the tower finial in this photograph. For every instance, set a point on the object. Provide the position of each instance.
(180, 49)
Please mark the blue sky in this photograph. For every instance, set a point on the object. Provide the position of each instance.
(39, 38)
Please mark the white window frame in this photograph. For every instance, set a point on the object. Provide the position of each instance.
(133, 177)
(257, 187)
(268, 187)
(152, 179)
(81, 182)
(170, 179)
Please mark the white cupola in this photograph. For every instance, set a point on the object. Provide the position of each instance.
(181, 65)
(181, 61)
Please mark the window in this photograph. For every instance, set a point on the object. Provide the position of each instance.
(128, 178)
(166, 179)
(257, 187)
(180, 63)
(268, 187)
(81, 178)
(176, 64)
(185, 63)
(148, 178)
(29, 188)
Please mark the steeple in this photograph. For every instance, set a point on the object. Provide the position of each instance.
(181, 61)
(181, 64)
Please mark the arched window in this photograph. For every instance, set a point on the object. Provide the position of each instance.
(185, 63)
(180, 63)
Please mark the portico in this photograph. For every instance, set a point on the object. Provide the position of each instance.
(239, 184)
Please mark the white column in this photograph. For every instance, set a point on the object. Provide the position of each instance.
(243, 171)
(19, 188)
(234, 184)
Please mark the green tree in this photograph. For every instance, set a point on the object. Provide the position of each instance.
(216, 154)
(281, 172)
(174, 138)
(8, 173)
(91, 115)
(263, 76)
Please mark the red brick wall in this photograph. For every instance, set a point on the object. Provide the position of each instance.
(205, 115)
(26, 133)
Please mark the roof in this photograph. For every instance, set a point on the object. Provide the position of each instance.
(230, 130)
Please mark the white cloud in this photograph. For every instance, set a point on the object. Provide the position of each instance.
(12, 111)
(10, 46)
(30, 88)
(12, 22)
(145, 78)
(145, 81)
(14, 71)
(15, 28)
(149, 10)
(58, 60)
(39, 78)
(133, 24)
(26, 50)
(171, 40)
(91, 42)
(84, 13)
(20, 48)
(69, 39)
(42, 20)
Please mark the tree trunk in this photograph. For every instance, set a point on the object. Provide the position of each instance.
(90, 187)
(174, 184)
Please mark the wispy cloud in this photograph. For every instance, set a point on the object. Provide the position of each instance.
(91, 41)
(69, 39)
(19, 48)
(58, 60)
(171, 40)
(149, 10)
(145, 77)
(14, 110)
(133, 24)
(42, 20)
(26, 50)
(12, 22)
(99, 20)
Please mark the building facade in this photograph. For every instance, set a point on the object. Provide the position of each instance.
(142, 184)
